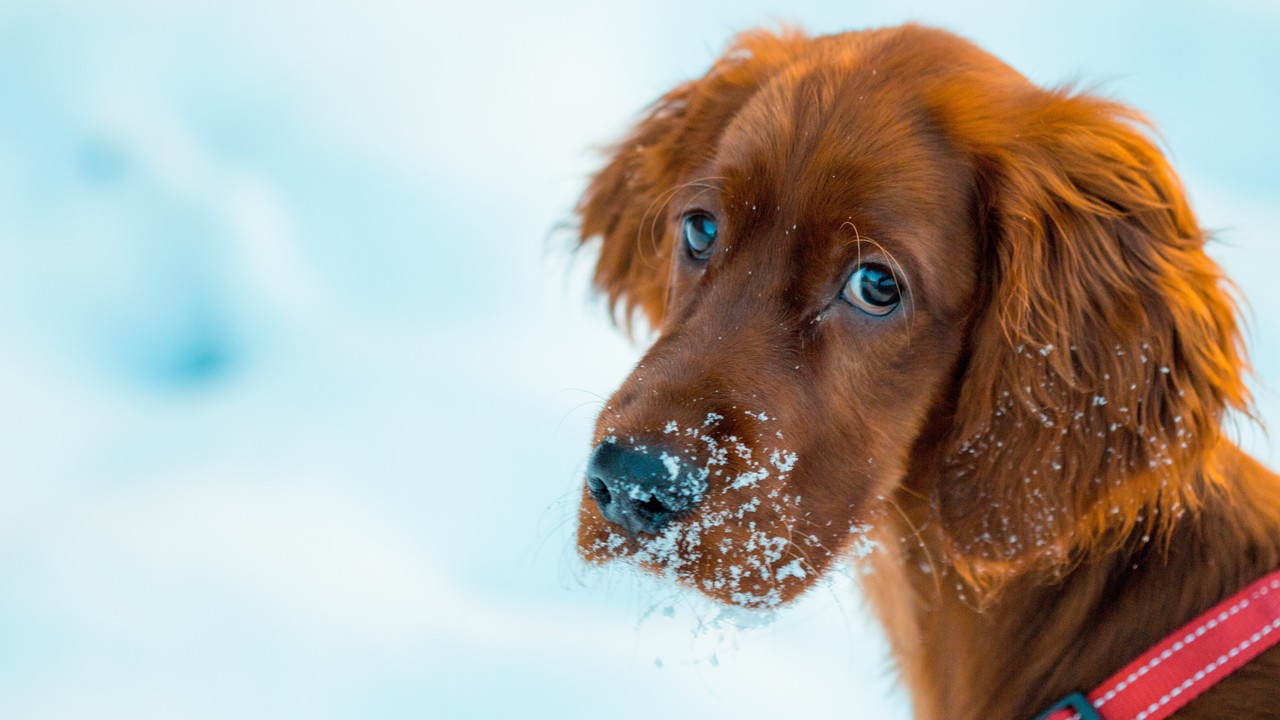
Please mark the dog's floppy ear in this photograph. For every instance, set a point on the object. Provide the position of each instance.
(1107, 353)
(626, 202)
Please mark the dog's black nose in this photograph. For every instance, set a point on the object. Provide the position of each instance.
(640, 488)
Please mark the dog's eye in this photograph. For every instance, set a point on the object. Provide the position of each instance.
(872, 289)
(699, 235)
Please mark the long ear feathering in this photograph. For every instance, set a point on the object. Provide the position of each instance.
(1108, 353)
(626, 203)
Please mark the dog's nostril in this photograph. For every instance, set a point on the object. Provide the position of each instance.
(653, 506)
(599, 491)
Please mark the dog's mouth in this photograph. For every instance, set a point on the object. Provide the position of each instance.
(709, 511)
(751, 565)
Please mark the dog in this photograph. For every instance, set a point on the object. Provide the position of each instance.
(911, 308)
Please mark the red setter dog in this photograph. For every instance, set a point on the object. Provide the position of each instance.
(913, 308)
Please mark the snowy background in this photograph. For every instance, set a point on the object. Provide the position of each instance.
(297, 377)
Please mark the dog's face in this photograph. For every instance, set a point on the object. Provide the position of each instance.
(811, 229)
(816, 302)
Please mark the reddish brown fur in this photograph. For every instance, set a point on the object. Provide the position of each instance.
(1033, 440)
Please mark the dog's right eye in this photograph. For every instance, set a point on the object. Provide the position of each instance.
(699, 235)
(873, 289)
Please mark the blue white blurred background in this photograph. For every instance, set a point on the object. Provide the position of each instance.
(297, 376)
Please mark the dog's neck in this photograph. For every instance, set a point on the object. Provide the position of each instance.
(1011, 654)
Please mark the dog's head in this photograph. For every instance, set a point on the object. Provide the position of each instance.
(884, 263)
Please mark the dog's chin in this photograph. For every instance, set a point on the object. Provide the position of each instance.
(751, 565)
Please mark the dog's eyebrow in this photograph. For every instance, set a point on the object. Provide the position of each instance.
(900, 257)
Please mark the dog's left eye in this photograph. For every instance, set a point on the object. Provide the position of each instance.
(699, 235)
(873, 289)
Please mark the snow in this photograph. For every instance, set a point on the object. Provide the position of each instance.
(672, 464)
(299, 380)
(791, 569)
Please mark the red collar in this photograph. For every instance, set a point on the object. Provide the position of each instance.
(1190, 661)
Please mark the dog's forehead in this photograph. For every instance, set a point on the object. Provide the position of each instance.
(835, 150)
